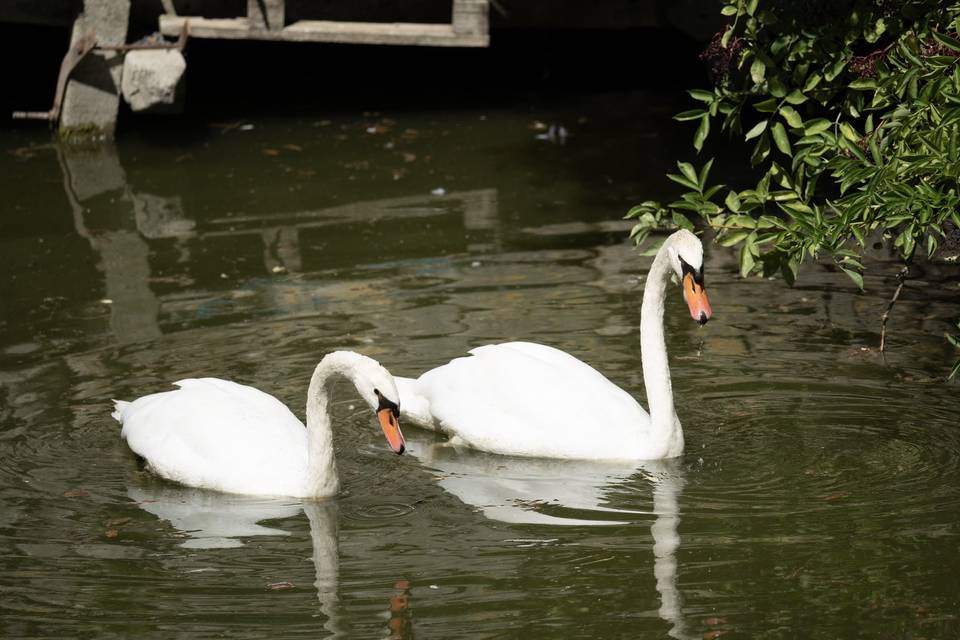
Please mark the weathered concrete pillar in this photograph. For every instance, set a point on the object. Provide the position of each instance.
(92, 97)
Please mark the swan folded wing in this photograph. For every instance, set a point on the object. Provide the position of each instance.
(531, 400)
(250, 397)
(549, 355)
(217, 434)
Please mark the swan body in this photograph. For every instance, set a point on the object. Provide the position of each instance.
(526, 399)
(220, 435)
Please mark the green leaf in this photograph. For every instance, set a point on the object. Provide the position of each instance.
(730, 239)
(732, 201)
(875, 151)
(689, 172)
(853, 148)
(780, 138)
(849, 132)
(683, 181)
(747, 222)
(791, 116)
(712, 191)
(856, 277)
(692, 114)
(758, 70)
(767, 106)
(795, 97)
(761, 150)
(796, 209)
(704, 172)
(863, 84)
(947, 41)
(701, 95)
(816, 126)
(757, 129)
(873, 34)
(729, 10)
(682, 221)
(644, 207)
(955, 371)
(835, 69)
(776, 87)
(702, 132)
(812, 81)
(789, 269)
(747, 261)
(752, 6)
(653, 249)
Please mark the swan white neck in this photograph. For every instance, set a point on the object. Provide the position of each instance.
(665, 427)
(321, 467)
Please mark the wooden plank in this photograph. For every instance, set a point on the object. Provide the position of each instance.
(391, 33)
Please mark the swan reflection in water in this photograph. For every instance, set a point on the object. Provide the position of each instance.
(506, 489)
(545, 491)
(212, 520)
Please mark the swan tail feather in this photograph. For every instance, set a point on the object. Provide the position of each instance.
(118, 408)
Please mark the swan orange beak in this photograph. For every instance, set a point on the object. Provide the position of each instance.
(696, 297)
(391, 429)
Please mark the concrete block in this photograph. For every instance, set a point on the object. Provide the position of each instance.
(151, 79)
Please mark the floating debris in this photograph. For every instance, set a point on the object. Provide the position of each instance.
(556, 134)
(281, 586)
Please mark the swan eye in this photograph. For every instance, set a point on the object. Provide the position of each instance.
(686, 268)
(384, 403)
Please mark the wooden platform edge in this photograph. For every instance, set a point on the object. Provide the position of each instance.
(385, 33)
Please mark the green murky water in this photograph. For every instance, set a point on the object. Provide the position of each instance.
(820, 492)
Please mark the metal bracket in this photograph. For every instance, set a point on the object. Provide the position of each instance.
(74, 55)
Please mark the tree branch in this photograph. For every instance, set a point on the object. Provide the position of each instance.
(901, 277)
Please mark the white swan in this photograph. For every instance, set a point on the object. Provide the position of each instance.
(220, 435)
(526, 399)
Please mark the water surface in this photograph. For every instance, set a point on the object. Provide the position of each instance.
(818, 497)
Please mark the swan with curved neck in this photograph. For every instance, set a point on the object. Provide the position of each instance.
(220, 435)
(526, 399)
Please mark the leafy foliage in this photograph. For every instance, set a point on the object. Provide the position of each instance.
(852, 108)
